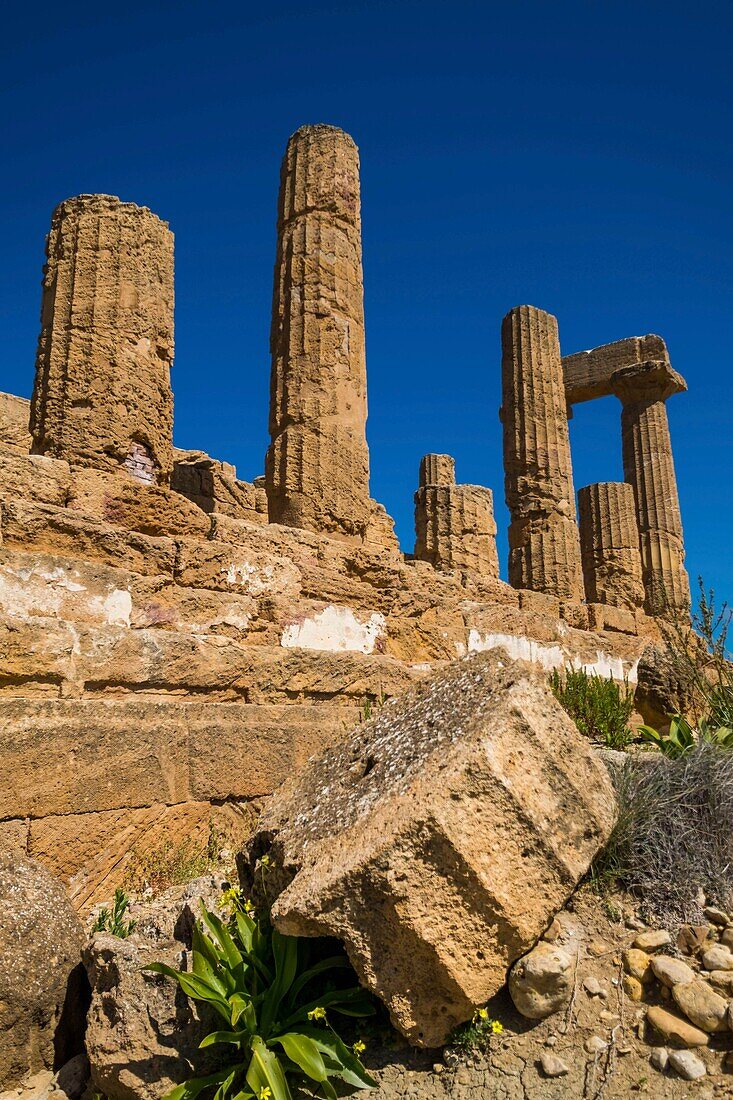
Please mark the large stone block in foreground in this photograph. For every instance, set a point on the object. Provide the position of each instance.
(438, 840)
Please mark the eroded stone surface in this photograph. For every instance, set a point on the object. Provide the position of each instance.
(102, 393)
(439, 838)
(544, 544)
(454, 524)
(609, 543)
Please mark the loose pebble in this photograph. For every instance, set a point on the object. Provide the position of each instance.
(687, 1064)
(715, 915)
(595, 1044)
(659, 1058)
(671, 971)
(552, 1066)
(717, 957)
(652, 941)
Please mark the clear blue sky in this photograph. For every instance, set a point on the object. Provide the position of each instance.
(576, 156)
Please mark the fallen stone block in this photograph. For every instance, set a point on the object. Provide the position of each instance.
(40, 958)
(438, 839)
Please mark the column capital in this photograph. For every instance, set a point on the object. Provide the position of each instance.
(652, 380)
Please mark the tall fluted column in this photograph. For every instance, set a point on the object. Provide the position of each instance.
(649, 469)
(102, 394)
(454, 524)
(544, 544)
(317, 467)
(609, 544)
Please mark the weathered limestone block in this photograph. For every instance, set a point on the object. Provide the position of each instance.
(77, 756)
(317, 467)
(40, 948)
(544, 544)
(34, 477)
(102, 394)
(589, 374)
(44, 529)
(124, 502)
(438, 839)
(94, 853)
(14, 419)
(649, 468)
(214, 487)
(609, 543)
(142, 1035)
(454, 524)
(248, 568)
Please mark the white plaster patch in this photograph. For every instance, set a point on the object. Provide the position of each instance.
(117, 607)
(257, 580)
(336, 629)
(520, 648)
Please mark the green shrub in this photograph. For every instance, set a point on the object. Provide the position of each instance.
(601, 708)
(477, 1033)
(275, 1031)
(673, 837)
(113, 920)
(168, 864)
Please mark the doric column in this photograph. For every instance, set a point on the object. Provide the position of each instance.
(317, 468)
(544, 544)
(102, 394)
(609, 544)
(454, 524)
(649, 469)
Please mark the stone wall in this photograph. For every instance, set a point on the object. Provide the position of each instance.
(162, 666)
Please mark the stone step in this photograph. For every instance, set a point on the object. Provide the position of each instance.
(84, 756)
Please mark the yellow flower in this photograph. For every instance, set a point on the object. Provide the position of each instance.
(248, 906)
(265, 1093)
(480, 1015)
(359, 1047)
(230, 899)
(317, 1013)
(266, 861)
(497, 1027)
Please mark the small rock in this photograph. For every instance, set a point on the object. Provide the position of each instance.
(652, 941)
(595, 1044)
(717, 957)
(722, 980)
(659, 1058)
(687, 1064)
(596, 948)
(550, 1040)
(552, 1066)
(727, 938)
(716, 916)
(702, 1005)
(674, 1029)
(634, 924)
(637, 963)
(671, 971)
(608, 1017)
(438, 1067)
(623, 1050)
(593, 987)
(691, 938)
(540, 983)
(633, 988)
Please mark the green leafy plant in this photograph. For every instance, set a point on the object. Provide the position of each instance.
(477, 1033)
(699, 650)
(261, 984)
(601, 708)
(168, 864)
(682, 738)
(113, 920)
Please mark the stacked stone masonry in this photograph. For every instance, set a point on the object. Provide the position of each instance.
(609, 542)
(454, 524)
(544, 545)
(105, 351)
(172, 647)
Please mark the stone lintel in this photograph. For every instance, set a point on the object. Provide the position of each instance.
(648, 381)
(588, 374)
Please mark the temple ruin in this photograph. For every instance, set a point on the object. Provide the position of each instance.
(176, 640)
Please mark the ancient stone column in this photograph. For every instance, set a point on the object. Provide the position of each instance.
(609, 544)
(317, 467)
(454, 524)
(544, 544)
(102, 394)
(649, 469)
